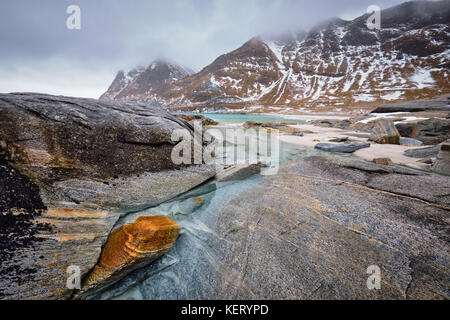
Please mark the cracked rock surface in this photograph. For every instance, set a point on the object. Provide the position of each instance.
(310, 232)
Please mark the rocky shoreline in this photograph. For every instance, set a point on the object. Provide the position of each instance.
(91, 184)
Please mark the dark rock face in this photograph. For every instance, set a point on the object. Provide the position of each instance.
(82, 164)
(385, 132)
(430, 131)
(20, 205)
(440, 103)
(311, 232)
(342, 147)
(59, 137)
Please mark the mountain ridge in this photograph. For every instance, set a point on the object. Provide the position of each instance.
(337, 62)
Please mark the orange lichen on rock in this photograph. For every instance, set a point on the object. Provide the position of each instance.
(198, 200)
(383, 161)
(132, 246)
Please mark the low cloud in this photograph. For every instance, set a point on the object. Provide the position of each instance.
(40, 54)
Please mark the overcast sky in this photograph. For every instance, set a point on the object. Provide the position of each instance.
(39, 54)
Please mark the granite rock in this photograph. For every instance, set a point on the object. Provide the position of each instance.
(430, 132)
(310, 232)
(81, 165)
(128, 248)
(342, 147)
(385, 132)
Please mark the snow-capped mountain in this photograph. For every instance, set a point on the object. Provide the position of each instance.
(140, 80)
(336, 63)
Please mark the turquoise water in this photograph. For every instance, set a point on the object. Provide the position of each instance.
(237, 118)
(196, 248)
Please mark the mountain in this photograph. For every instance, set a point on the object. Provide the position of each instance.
(337, 63)
(139, 81)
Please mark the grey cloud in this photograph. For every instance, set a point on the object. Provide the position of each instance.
(122, 34)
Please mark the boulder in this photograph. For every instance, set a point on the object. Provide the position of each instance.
(282, 128)
(430, 132)
(339, 139)
(442, 164)
(423, 152)
(410, 142)
(310, 232)
(342, 147)
(128, 248)
(78, 166)
(384, 132)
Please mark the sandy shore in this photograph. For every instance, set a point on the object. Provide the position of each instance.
(394, 152)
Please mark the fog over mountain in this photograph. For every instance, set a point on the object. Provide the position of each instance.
(40, 54)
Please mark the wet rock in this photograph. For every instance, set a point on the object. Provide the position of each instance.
(430, 131)
(310, 232)
(131, 247)
(442, 164)
(342, 147)
(384, 132)
(88, 162)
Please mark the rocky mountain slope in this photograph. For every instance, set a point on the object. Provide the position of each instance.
(141, 80)
(337, 63)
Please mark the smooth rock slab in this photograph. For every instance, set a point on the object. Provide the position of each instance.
(423, 152)
(342, 147)
(311, 232)
(411, 142)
